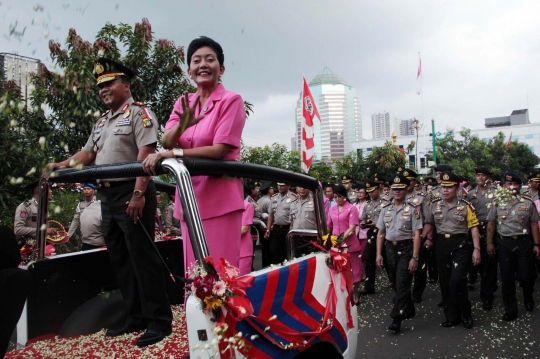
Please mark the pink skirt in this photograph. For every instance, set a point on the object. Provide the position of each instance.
(222, 235)
(356, 266)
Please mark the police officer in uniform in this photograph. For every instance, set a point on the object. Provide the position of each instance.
(128, 132)
(172, 223)
(453, 218)
(347, 181)
(400, 224)
(534, 184)
(482, 198)
(303, 217)
(265, 206)
(519, 244)
(91, 229)
(369, 219)
(88, 192)
(25, 221)
(416, 200)
(279, 223)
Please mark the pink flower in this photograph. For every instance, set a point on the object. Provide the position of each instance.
(219, 288)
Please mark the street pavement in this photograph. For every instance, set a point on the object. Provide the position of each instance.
(423, 336)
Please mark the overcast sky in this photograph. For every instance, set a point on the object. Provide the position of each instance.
(479, 58)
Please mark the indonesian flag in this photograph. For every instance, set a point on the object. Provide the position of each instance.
(509, 140)
(309, 111)
(419, 76)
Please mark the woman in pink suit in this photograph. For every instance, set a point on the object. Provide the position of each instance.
(208, 124)
(343, 218)
(246, 242)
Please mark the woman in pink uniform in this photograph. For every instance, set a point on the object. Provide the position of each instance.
(343, 218)
(246, 242)
(208, 124)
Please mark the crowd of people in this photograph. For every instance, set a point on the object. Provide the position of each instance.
(407, 227)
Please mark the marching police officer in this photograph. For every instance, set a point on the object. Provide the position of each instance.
(369, 219)
(482, 198)
(25, 221)
(303, 217)
(400, 223)
(172, 223)
(416, 200)
(128, 132)
(534, 184)
(88, 192)
(453, 218)
(265, 206)
(279, 223)
(519, 243)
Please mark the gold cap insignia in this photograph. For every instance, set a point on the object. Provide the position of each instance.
(368, 185)
(538, 175)
(98, 68)
(446, 177)
(400, 169)
(397, 180)
(406, 173)
(344, 177)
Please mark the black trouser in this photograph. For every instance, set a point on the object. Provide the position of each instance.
(487, 268)
(371, 257)
(398, 257)
(431, 259)
(87, 247)
(133, 258)
(453, 259)
(420, 276)
(278, 243)
(302, 245)
(265, 248)
(516, 260)
(15, 284)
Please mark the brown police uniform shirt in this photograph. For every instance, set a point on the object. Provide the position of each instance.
(372, 211)
(281, 207)
(256, 211)
(457, 218)
(25, 222)
(116, 137)
(399, 224)
(514, 218)
(172, 224)
(303, 213)
(482, 202)
(91, 230)
(416, 199)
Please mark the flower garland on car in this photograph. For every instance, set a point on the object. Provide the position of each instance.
(223, 294)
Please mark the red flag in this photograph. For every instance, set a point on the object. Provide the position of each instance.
(309, 111)
(509, 140)
(419, 76)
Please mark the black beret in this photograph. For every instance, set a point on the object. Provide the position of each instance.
(482, 170)
(512, 177)
(443, 168)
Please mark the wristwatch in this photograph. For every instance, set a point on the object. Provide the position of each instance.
(415, 258)
(138, 193)
(178, 152)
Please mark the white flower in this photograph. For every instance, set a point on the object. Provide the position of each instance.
(74, 89)
(32, 171)
(101, 52)
(57, 209)
(41, 141)
(72, 124)
(43, 107)
(13, 123)
(19, 180)
(96, 113)
(20, 105)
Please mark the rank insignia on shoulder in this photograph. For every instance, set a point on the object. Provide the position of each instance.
(147, 122)
(524, 196)
(125, 107)
(386, 204)
(126, 113)
(140, 104)
(104, 114)
(435, 200)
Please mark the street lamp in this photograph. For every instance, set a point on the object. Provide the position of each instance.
(437, 136)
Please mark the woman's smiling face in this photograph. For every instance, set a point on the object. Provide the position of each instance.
(204, 68)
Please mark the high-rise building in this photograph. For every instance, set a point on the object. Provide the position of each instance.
(341, 116)
(18, 69)
(382, 125)
(404, 127)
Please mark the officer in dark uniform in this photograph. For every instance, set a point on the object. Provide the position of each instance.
(416, 200)
(128, 132)
(25, 221)
(279, 223)
(453, 218)
(400, 224)
(519, 243)
(369, 219)
(482, 198)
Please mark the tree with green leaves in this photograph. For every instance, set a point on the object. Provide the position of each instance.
(276, 156)
(384, 161)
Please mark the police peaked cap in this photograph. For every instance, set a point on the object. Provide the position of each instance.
(443, 168)
(106, 70)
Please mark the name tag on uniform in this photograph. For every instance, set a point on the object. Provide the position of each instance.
(523, 208)
(123, 123)
(388, 219)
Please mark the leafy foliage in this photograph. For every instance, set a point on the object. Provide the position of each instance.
(276, 156)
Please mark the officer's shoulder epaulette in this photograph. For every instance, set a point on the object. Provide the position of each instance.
(26, 204)
(104, 114)
(386, 204)
(411, 202)
(294, 194)
(275, 195)
(423, 194)
(434, 200)
(527, 197)
(466, 201)
(140, 104)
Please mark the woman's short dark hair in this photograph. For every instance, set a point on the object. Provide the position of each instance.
(341, 190)
(203, 41)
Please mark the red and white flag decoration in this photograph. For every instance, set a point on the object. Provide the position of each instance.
(419, 76)
(509, 143)
(309, 111)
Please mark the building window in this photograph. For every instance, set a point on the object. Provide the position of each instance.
(369, 149)
(485, 139)
(531, 148)
(528, 137)
(422, 162)
(515, 138)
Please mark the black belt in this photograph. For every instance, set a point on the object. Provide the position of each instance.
(521, 236)
(448, 235)
(402, 242)
(108, 184)
(281, 225)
